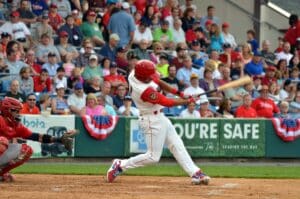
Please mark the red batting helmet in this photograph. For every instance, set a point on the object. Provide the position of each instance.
(145, 70)
(7, 105)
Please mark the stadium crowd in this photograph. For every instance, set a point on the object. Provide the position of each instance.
(74, 57)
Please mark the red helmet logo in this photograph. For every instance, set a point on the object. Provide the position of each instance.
(144, 70)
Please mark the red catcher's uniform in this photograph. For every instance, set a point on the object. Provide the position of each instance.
(157, 128)
(264, 107)
(12, 132)
(246, 112)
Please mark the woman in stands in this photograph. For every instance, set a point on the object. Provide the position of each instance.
(59, 104)
(225, 109)
(92, 107)
(26, 81)
(247, 53)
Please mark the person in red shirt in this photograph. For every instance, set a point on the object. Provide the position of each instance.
(264, 106)
(229, 56)
(294, 30)
(114, 78)
(245, 110)
(270, 76)
(13, 155)
(55, 20)
(29, 107)
(42, 83)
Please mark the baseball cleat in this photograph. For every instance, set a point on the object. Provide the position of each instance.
(200, 178)
(7, 177)
(114, 170)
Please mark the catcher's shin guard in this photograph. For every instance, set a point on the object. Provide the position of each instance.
(24, 155)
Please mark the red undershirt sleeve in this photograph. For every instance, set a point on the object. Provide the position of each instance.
(152, 96)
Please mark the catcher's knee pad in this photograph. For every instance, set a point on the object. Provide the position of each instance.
(3, 144)
(24, 155)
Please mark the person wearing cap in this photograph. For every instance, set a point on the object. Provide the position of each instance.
(256, 65)
(64, 48)
(204, 110)
(26, 15)
(245, 110)
(269, 76)
(63, 7)
(90, 29)
(44, 48)
(177, 31)
(23, 35)
(59, 105)
(77, 99)
(142, 32)
(264, 106)
(55, 20)
(114, 78)
(194, 89)
(122, 24)
(164, 35)
(51, 65)
(141, 49)
(109, 49)
(210, 16)
(29, 107)
(229, 56)
(92, 69)
(43, 27)
(228, 37)
(75, 36)
(127, 109)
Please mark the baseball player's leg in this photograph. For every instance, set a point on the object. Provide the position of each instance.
(3, 145)
(177, 148)
(14, 156)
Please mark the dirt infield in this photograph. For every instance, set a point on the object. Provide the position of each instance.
(129, 187)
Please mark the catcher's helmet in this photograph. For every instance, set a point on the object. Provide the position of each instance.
(9, 104)
(145, 70)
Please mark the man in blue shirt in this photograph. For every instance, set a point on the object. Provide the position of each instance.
(256, 65)
(109, 49)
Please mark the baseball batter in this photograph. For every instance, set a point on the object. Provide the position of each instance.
(14, 154)
(157, 128)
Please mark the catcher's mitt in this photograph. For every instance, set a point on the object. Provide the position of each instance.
(67, 139)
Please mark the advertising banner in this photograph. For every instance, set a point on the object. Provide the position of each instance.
(54, 125)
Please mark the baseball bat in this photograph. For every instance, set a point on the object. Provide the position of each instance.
(239, 82)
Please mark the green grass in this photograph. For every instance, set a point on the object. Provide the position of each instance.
(165, 170)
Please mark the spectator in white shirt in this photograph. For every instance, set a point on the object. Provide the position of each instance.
(127, 109)
(178, 33)
(194, 88)
(285, 54)
(142, 32)
(228, 38)
(190, 111)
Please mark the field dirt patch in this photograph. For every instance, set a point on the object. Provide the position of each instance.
(136, 187)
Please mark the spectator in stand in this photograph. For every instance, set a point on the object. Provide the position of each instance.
(142, 32)
(38, 7)
(270, 76)
(31, 61)
(118, 98)
(256, 66)
(94, 85)
(26, 81)
(51, 65)
(285, 54)
(163, 65)
(29, 107)
(266, 52)
(14, 91)
(188, 19)
(294, 76)
(252, 41)
(264, 106)
(181, 53)
(75, 77)
(13, 65)
(284, 110)
(274, 92)
(177, 32)
(194, 89)
(184, 73)
(122, 61)
(228, 37)
(172, 80)
(208, 82)
(64, 47)
(245, 110)
(75, 36)
(43, 27)
(213, 65)
(59, 104)
(216, 38)
(5, 38)
(158, 48)
(229, 56)
(105, 91)
(63, 7)
(247, 53)
(210, 16)
(127, 109)
(84, 55)
(77, 100)
(18, 48)
(114, 78)
(92, 69)
(282, 67)
(55, 19)
(109, 10)
(60, 77)
(294, 30)
(147, 17)
(92, 108)
(109, 49)
(190, 111)
(288, 91)
(175, 15)
(224, 74)
(77, 18)
(225, 109)
(26, 15)
(105, 64)
(108, 108)
(44, 48)
(295, 106)
(204, 109)
(137, 17)
(122, 24)
(44, 102)
(164, 35)
(188, 4)
(42, 83)
(68, 64)
(167, 9)
(295, 62)
(141, 50)
(17, 29)
(91, 30)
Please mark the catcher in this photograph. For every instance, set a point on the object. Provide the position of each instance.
(13, 155)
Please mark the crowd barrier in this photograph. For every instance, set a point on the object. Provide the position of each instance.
(217, 137)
